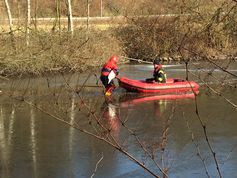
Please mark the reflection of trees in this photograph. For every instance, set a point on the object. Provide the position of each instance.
(74, 109)
(83, 108)
(33, 141)
(3, 146)
(154, 137)
(6, 136)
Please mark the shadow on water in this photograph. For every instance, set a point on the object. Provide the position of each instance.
(42, 122)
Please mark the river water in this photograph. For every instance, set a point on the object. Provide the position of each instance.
(52, 127)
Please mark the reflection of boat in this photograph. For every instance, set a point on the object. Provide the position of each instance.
(171, 86)
(128, 100)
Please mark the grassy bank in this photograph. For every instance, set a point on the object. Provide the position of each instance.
(172, 38)
(179, 37)
(55, 52)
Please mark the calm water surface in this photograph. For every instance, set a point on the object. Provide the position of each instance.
(40, 137)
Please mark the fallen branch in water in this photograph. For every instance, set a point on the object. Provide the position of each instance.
(96, 166)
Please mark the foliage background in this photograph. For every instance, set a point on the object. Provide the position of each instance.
(176, 30)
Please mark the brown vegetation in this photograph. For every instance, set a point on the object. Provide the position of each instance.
(48, 52)
(198, 34)
(195, 31)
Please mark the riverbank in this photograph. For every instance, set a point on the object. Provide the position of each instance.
(55, 52)
(43, 52)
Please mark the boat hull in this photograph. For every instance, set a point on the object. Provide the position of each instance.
(171, 86)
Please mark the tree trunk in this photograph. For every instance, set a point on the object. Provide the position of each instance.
(36, 10)
(9, 15)
(101, 8)
(59, 14)
(18, 12)
(57, 22)
(28, 22)
(10, 24)
(70, 22)
(88, 18)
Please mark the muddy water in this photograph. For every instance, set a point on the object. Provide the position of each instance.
(41, 121)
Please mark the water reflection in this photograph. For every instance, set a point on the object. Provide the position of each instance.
(130, 99)
(30, 138)
(71, 134)
(3, 145)
(159, 107)
(33, 141)
(6, 134)
(11, 126)
(111, 117)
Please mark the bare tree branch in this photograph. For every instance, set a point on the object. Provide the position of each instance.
(97, 164)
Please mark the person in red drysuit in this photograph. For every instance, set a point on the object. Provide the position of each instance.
(110, 65)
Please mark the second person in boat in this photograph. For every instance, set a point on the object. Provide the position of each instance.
(159, 74)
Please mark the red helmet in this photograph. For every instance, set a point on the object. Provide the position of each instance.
(114, 59)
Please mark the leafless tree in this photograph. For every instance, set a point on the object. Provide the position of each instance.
(88, 14)
(36, 9)
(57, 21)
(58, 4)
(101, 8)
(9, 15)
(70, 21)
(28, 22)
(10, 23)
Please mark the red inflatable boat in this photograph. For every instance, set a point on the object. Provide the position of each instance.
(171, 86)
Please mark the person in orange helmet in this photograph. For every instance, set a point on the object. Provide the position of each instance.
(108, 72)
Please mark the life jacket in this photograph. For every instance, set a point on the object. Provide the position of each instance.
(157, 69)
(108, 67)
(159, 74)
